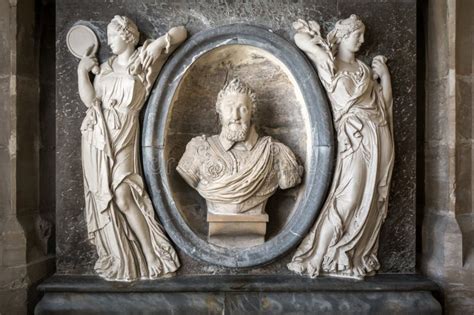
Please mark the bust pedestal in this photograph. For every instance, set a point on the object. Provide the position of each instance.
(237, 230)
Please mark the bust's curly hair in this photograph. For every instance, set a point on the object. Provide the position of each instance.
(126, 28)
(236, 86)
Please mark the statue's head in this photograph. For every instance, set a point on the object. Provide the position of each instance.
(236, 103)
(122, 33)
(348, 34)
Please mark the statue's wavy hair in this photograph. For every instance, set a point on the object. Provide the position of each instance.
(127, 30)
(344, 28)
(236, 86)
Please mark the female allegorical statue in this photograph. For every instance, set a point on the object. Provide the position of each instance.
(344, 240)
(121, 223)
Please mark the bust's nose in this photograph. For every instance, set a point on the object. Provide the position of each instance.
(235, 114)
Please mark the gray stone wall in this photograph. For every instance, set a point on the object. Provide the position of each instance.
(12, 240)
(448, 229)
(391, 31)
(23, 261)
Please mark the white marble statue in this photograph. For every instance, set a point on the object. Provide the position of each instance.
(344, 240)
(121, 223)
(237, 171)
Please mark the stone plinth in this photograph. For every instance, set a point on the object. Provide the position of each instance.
(382, 294)
(238, 230)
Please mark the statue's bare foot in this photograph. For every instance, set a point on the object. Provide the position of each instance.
(155, 267)
(296, 266)
(313, 269)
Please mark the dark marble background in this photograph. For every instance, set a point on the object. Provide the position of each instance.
(390, 31)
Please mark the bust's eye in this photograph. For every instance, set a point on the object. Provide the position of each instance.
(243, 109)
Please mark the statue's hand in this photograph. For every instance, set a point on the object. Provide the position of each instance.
(152, 51)
(312, 28)
(379, 67)
(89, 62)
(149, 56)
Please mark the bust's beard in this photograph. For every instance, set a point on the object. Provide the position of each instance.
(237, 133)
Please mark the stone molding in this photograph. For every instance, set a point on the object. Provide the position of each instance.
(153, 144)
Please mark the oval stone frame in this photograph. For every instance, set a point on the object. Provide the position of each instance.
(321, 157)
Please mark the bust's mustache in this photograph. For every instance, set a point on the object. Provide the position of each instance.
(234, 121)
(235, 130)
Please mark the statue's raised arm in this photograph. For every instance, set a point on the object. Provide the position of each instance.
(319, 50)
(121, 222)
(344, 240)
(154, 53)
(165, 44)
(308, 38)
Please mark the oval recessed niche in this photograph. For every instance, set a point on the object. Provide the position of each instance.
(291, 108)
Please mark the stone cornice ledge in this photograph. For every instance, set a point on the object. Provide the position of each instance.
(241, 283)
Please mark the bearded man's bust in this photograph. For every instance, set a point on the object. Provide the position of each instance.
(237, 170)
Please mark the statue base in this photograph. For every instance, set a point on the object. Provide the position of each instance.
(237, 230)
(242, 294)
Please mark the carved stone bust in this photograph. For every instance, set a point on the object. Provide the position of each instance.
(238, 170)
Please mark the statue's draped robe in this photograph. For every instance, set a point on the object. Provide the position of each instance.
(238, 181)
(357, 201)
(110, 155)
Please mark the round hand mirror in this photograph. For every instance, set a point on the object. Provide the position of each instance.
(82, 41)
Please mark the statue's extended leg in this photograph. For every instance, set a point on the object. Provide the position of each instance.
(126, 203)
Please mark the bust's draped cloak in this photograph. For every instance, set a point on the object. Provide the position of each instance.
(238, 181)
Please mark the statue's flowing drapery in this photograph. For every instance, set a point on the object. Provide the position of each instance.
(358, 198)
(110, 155)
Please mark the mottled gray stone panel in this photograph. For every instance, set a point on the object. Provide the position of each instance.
(132, 303)
(415, 303)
